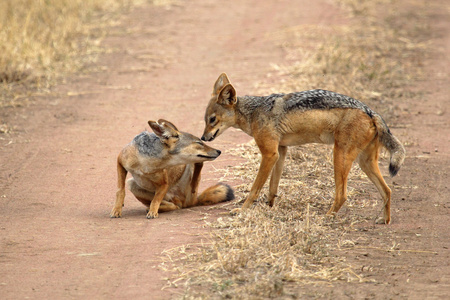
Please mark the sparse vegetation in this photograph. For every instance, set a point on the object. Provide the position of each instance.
(260, 252)
(257, 253)
(372, 58)
(42, 40)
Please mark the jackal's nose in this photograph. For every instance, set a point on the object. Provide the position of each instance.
(218, 152)
(203, 138)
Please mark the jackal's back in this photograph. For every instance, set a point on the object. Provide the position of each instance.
(322, 99)
(305, 100)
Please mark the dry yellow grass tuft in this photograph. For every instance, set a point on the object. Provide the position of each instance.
(258, 253)
(42, 40)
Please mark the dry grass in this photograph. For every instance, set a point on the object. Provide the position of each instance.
(374, 58)
(259, 253)
(42, 40)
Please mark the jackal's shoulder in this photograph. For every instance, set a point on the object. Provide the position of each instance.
(147, 143)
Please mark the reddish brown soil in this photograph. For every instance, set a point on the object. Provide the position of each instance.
(58, 178)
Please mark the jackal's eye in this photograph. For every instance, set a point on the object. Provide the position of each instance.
(212, 119)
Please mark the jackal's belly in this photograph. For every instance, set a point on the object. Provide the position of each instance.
(179, 178)
(143, 182)
(309, 127)
(305, 138)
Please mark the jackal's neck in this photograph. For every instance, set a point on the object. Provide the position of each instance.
(244, 109)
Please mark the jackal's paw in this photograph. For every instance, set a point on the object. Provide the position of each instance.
(235, 211)
(331, 214)
(152, 215)
(382, 220)
(116, 213)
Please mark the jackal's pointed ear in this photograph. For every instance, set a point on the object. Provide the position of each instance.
(168, 124)
(164, 129)
(227, 96)
(220, 83)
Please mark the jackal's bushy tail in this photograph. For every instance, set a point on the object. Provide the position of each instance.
(392, 144)
(215, 194)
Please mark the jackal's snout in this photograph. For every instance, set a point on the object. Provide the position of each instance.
(210, 155)
(205, 138)
(209, 136)
(215, 153)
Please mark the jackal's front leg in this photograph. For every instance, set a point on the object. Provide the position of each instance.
(162, 186)
(196, 177)
(116, 212)
(276, 174)
(192, 189)
(269, 158)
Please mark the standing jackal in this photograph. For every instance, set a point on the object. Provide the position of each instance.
(166, 168)
(315, 116)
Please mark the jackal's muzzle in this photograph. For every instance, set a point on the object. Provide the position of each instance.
(208, 137)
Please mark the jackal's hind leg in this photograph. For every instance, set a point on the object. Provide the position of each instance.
(166, 206)
(343, 161)
(368, 161)
(144, 196)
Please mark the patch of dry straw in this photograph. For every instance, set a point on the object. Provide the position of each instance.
(376, 57)
(260, 251)
(43, 40)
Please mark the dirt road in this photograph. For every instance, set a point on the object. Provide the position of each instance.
(58, 178)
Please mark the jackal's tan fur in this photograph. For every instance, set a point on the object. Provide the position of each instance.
(317, 116)
(166, 167)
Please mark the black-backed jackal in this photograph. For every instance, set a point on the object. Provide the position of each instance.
(166, 167)
(316, 116)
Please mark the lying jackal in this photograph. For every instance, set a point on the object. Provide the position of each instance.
(315, 116)
(166, 168)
